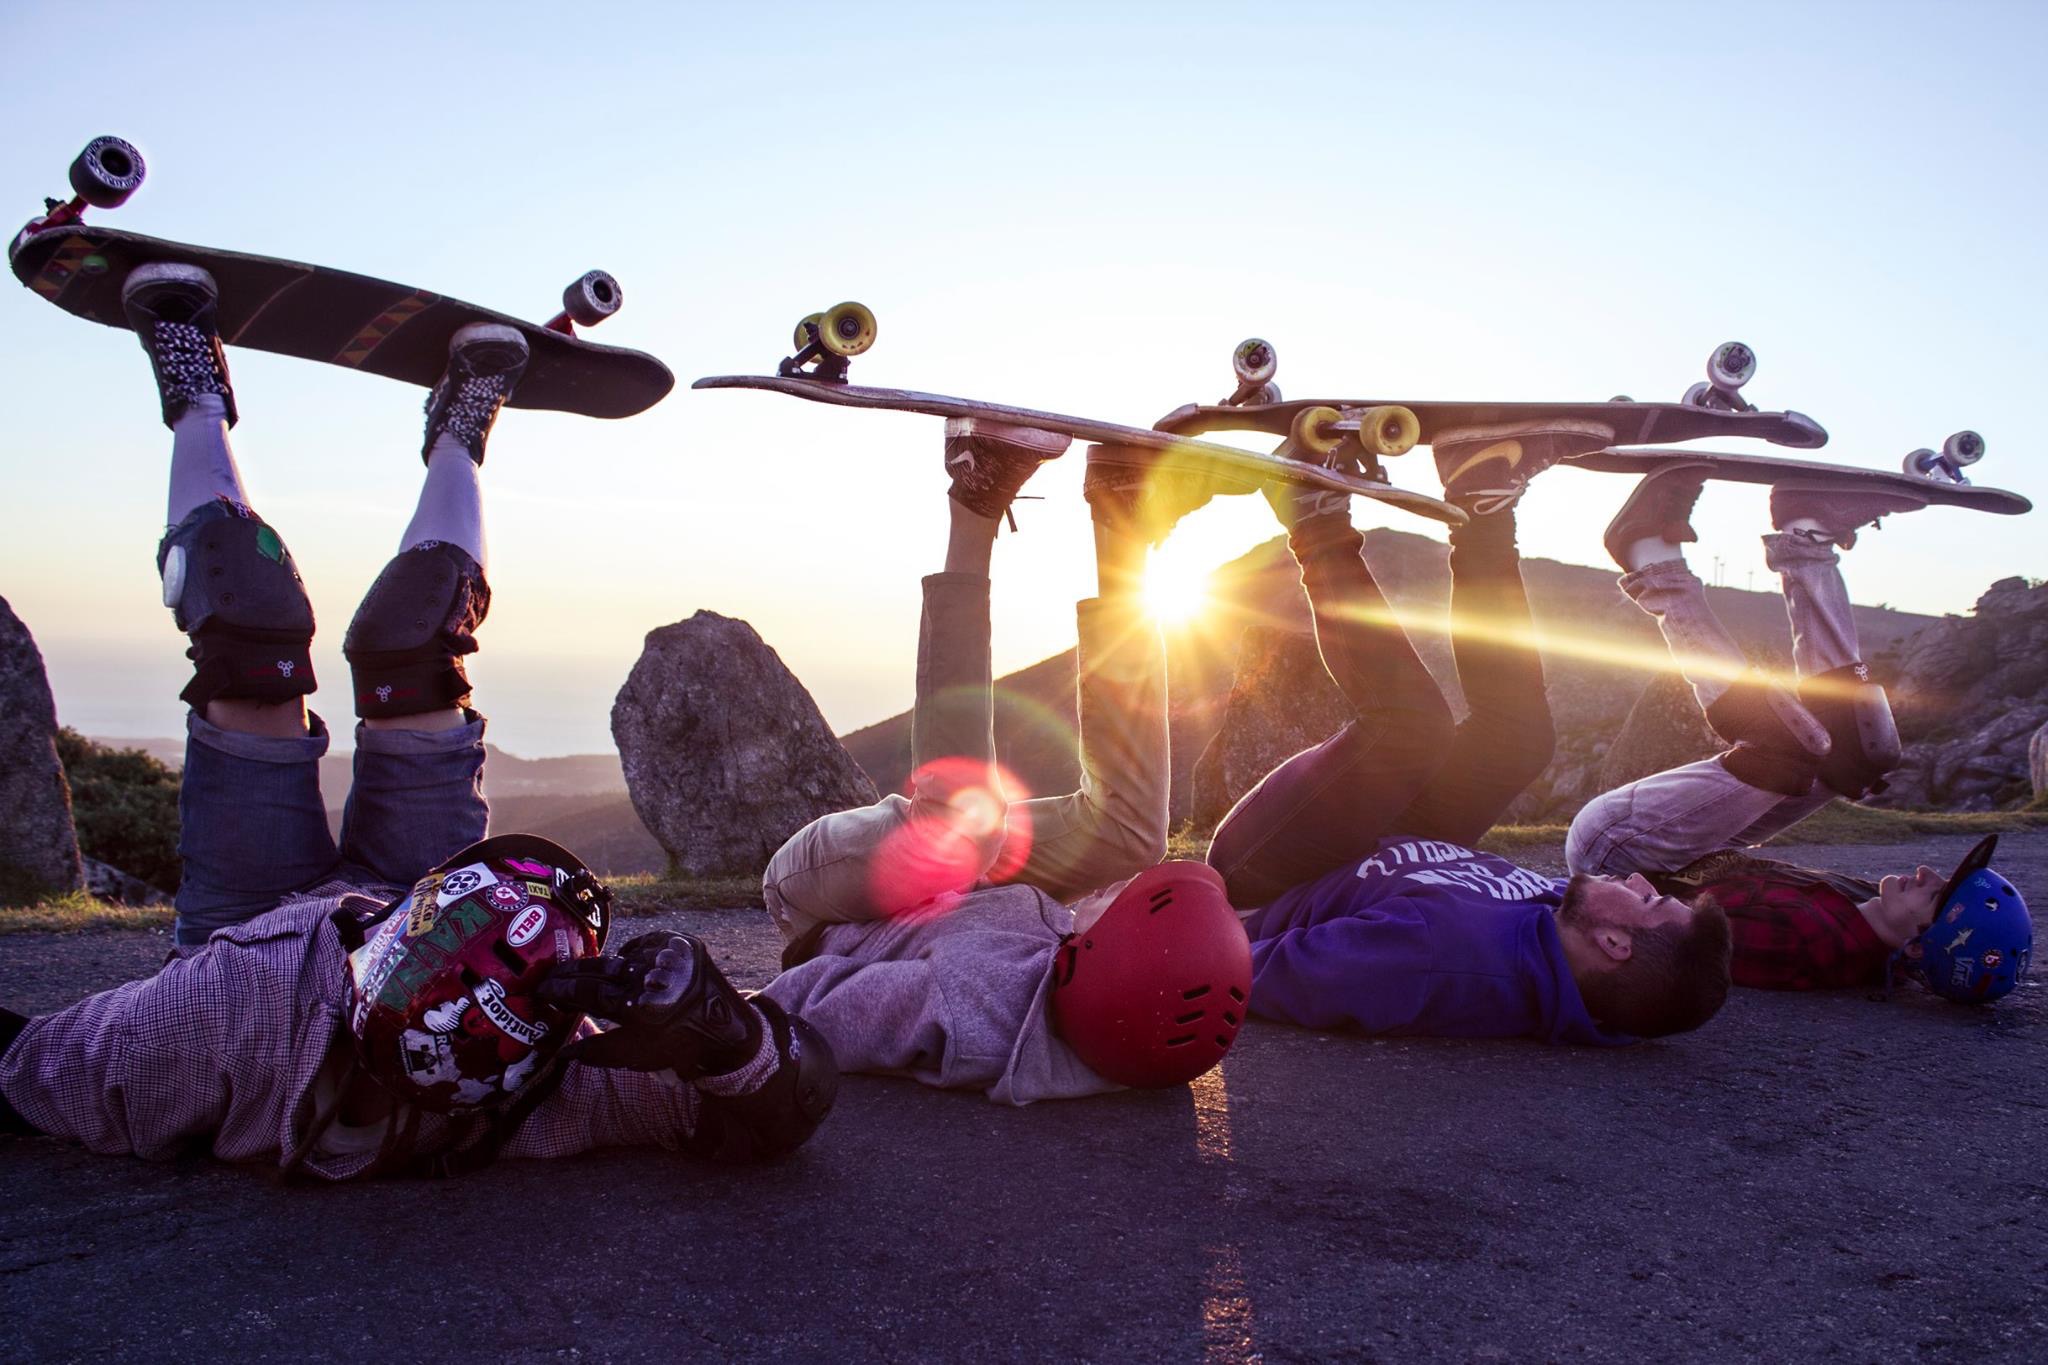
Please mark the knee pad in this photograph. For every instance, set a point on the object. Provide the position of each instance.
(1858, 717)
(1773, 770)
(405, 646)
(1756, 714)
(232, 587)
(779, 1117)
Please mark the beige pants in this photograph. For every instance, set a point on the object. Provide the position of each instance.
(955, 830)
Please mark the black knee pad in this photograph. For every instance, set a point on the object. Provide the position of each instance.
(779, 1117)
(232, 587)
(1751, 714)
(1858, 717)
(1773, 770)
(406, 643)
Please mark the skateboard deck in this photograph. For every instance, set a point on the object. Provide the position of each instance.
(1250, 466)
(1776, 469)
(1633, 423)
(335, 317)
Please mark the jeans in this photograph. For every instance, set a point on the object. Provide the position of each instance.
(1669, 819)
(253, 829)
(1399, 766)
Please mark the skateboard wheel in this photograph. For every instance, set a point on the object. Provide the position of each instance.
(1697, 395)
(1389, 430)
(1269, 394)
(1965, 447)
(807, 330)
(1255, 361)
(846, 329)
(1920, 463)
(106, 172)
(1621, 398)
(1731, 366)
(592, 299)
(1313, 432)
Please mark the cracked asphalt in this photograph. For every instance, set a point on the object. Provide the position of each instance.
(1811, 1177)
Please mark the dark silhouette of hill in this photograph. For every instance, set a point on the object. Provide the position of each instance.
(1599, 652)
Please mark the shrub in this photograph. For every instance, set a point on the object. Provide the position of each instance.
(125, 805)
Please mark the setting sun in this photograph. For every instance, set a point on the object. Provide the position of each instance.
(1176, 589)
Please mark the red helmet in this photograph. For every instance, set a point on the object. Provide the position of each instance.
(1152, 994)
(442, 998)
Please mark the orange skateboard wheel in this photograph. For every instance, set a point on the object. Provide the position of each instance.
(1388, 430)
(1314, 430)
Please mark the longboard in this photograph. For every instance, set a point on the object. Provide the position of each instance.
(1250, 466)
(318, 313)
(1777, 469)
(1713, 408)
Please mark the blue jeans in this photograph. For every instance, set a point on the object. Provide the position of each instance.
(253, 829)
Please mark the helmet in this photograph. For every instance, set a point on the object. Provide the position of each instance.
(1151, 995)
(1977, 947)
(442, 1001)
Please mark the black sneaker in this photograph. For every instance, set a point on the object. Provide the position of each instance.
(1659, 508)
(1148, 491)
(173, 310)
(990, 461)
(485, 360)
(1486, 469)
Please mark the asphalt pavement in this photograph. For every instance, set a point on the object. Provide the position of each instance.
(1811, 1177)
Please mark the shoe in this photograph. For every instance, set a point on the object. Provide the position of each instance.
(173, 309)
(1485, 469)
(1659, 508)
(1295, 503)
(1839, 511)
(990, 461)
(485, 361)
(1147, 491)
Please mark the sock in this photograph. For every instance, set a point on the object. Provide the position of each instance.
(451, 506)
(202, 466)
(1652, 550)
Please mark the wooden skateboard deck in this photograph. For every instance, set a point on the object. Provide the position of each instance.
(335, 317)
(1776, 469)
(1633, 423)
(1250, 466)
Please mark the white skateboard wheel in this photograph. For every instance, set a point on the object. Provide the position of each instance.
(1731, 366)
(107, 172)
(1255, 361)
(592, 299)
(1965, 447)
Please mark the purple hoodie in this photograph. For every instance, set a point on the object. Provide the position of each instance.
(1423, 938)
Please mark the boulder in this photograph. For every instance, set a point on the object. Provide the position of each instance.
(725, 754)
(1664, 729)
(1281, 701)
(38, 846)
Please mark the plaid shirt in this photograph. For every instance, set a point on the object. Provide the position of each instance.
(223, 1048)
(1794, 929)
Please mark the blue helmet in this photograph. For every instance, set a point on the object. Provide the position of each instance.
(1977, 947)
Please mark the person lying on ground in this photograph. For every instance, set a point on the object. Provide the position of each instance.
(1691, 832)
(411, 998)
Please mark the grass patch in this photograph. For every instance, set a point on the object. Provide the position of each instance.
(651, 895)
(78, 912)
(1506, 841)
(1842, 822)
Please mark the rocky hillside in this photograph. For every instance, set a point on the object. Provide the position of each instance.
(1600, 652)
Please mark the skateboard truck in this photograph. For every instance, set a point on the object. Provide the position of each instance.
(826, 342)
(1946, 465)
(1358, 439)
(1255, 362)
(1730, 367)
(587, 302)
(102, 177)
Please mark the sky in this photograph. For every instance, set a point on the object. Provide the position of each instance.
(1079, 207)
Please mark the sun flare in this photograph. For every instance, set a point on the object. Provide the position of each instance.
(1176, 590)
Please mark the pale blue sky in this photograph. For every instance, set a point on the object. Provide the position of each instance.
(1079, 207)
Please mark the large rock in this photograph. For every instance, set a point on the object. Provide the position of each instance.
(1664, 729)
(1970, 693)
(725, 753)
(1281, 702)
(38, 846)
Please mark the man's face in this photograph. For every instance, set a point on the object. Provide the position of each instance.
(1905, 904)
(1626, 903)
